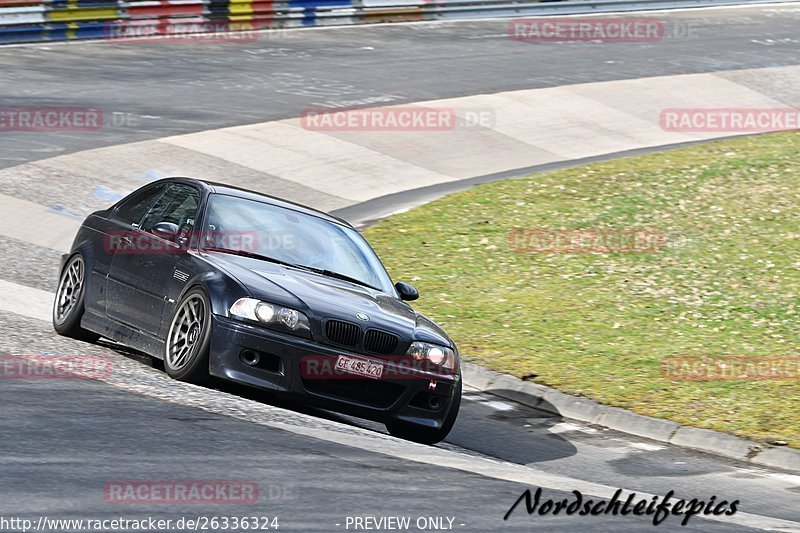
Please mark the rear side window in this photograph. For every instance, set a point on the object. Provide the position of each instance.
(131, 210)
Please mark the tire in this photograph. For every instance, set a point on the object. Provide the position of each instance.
(68, 305)
(188, 342)
(424, 435)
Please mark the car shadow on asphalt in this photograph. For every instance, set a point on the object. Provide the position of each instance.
(500, 429)
(510, 431)
(243, 391)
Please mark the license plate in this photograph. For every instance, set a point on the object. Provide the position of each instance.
(359, 367)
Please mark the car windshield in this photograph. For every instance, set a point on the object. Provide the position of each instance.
(286, 236)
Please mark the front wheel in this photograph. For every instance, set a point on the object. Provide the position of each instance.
(424, 435)
(189, 339)
(68, 306)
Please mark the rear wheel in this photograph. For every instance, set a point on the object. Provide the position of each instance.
(424, 435)
(189, 339)
(68, 306)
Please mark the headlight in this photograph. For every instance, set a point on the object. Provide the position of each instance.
(438, 355)
(266, 313)
(289, 317)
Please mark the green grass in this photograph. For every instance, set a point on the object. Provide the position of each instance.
(725, 283)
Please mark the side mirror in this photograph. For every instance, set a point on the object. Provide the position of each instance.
(166, 230)
(406, 291)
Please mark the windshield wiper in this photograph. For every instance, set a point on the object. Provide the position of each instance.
(343, 277)
(253, 255)
(321, 271)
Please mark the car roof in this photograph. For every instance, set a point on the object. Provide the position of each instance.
(231, 190)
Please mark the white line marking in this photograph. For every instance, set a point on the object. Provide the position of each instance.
(645, 446)
(791, 479)
(499, 406)
(494, 404)
(564, 427)
(51, 230)
(25, 301)
(472, 397)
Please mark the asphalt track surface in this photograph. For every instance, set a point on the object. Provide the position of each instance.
(164, 88)
(63, 440)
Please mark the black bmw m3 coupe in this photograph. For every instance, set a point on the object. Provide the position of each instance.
(220, 281)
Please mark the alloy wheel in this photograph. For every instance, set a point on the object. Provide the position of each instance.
(186, 332)
(69, 290)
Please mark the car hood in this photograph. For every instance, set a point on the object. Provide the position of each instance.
(321, 297)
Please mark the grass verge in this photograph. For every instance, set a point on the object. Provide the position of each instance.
(722, 289)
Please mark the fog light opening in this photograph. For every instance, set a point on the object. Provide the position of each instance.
(434, 402)
(250, 358)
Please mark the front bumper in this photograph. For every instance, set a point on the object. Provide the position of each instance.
(412, 396)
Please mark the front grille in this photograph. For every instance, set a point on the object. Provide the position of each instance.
(380, 342)
(343, 333)
(372, 392)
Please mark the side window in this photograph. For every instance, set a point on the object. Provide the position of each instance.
(178, 205)
(133, 209)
